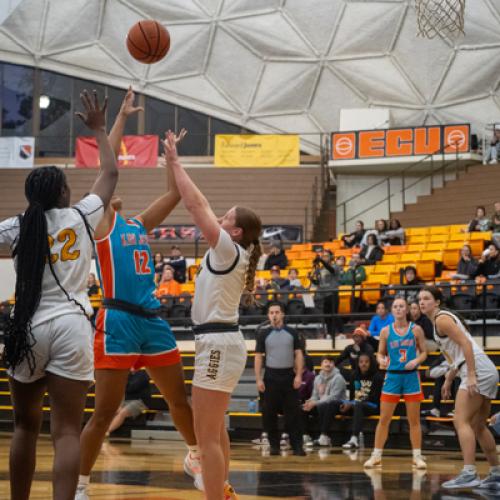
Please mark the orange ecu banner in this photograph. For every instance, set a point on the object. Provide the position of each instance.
(135, 151)
(415, 141)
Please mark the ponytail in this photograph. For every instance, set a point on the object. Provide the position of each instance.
(255, 255)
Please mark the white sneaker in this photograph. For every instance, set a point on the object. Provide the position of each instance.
(419, 462)
(307, 440)
(352, 444)
(373, 461)
(81, 492)
(490, 482)
(493, 162)
(462, 481)
(192, 467)
(324, 440)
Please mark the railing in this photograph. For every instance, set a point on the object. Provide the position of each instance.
(403, 174)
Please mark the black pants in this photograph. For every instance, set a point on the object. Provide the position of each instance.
(438, 385)
(280, 396)
(334, 323)
(326, 414)
(360, 410)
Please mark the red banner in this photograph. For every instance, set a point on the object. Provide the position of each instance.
(135, 151)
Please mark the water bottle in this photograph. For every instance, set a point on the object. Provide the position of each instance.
(252, 406)
(361, 440)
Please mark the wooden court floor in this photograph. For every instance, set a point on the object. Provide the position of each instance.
(142, 470)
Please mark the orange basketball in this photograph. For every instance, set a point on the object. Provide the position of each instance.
(148, 41)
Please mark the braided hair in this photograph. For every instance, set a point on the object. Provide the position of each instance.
(43, 189)
(251, 225)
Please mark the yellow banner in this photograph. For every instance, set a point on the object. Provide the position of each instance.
(257, 151)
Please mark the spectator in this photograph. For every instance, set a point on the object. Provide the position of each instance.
(365, 388)
(354, 239)
(277, 282)
(159, 264)
(495, 423)
(489, 264)
(438, 371)
(411, 283)
(328, 393)
(356, 273)
(494, 151)
(353, 351)
(168, 285)
(480, 222)
(381, 319)
(421, 320)
(326, 276)
(495, 224)
(395, 235)
(137, 398)
(307, 386)
(93, 286)
(379, 231)
(276, 257)
(178, 264)
(371, 252)
(284, 362)
(467, 265)
(293, 279)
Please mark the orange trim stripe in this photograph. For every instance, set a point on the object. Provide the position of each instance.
(104, 255)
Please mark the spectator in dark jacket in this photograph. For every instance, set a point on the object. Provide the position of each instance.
(137, 398)
(276, 257)
(421, 320)
(355, 274)
(480, 222)
(353, 351)
(178, 263)
(371, 253)
(277, 282)
(395, 235)
(306, 388)
(467, 265)
(411, 283)
(354, 239)
(489, 263)
(364, 396)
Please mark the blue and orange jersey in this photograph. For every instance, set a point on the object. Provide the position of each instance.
(125, 263)
(401, 348)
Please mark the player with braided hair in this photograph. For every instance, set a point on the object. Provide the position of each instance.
(49, 336)
(227, 269)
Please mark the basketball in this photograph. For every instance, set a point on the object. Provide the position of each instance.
(148, 41)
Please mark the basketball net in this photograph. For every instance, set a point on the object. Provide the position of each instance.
(443, 18)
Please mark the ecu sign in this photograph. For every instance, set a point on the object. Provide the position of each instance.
(387, 143)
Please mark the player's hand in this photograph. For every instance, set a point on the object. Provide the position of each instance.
(297, 382)
(170, 145)
(127, 108)
(446, 391)
(494, 418)
(94, 116)
(383, 362)
(261, 387)
(411, 365)
(472, 385)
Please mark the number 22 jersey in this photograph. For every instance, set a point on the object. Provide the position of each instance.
(125, 263)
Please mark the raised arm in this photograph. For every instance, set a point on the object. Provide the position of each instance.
(156, 213)
(194, 200)
(94, 118)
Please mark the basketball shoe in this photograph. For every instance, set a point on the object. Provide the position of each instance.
(192, 467)
(229, 493)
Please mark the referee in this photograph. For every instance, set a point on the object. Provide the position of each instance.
(281, 347)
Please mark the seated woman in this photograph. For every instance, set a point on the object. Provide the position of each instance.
(480, 222)
(395, 235)
(379, 231)
(168, 286)
(354, 239)
(467, 265)
(411, 283)
(371, 252)
(353, 351)
(364, 396)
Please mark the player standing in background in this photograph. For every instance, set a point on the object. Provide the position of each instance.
(397, 353)
(48, 340)
(227, 269)
(129, 330)
(479, 385)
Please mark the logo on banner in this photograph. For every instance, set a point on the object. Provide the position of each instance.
(413, 141)
(25, 151)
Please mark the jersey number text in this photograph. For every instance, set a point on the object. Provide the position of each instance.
(141, 259)
(68, 237)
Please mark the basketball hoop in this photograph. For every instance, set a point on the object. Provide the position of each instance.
(443, 18)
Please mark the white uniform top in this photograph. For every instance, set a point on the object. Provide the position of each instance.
(452, 351)
(220, 283)
(71, 250)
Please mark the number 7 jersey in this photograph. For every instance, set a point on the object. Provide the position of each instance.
(125, 263)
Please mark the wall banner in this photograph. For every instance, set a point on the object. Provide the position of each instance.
(17, 152)
(387, 143)
(257, 150)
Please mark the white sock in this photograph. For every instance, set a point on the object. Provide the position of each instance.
(377, 452)
(194, 451)
(495, 470)
(354, 439)
(416, 482)
(417, 452)
(83, 480)
(471, 469)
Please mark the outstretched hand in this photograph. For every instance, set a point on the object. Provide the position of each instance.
(94, 116)
(170, 144)
(127, 108)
